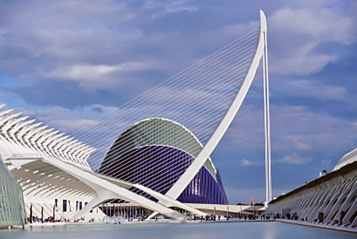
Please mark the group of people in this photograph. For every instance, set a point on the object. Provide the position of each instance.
(219, 217)
(48, 219)
(36, 219)
(208, 218)
(211, 217)
(292, 216)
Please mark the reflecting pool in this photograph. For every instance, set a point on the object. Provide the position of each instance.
(251, 230)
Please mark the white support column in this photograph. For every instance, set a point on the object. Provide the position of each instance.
(91, 204)
(268, 183)
(349, 214)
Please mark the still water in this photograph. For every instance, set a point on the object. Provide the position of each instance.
(256, 230)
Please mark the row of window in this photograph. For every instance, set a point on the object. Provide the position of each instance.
(67, 207)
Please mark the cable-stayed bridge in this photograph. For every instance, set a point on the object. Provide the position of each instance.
(154, 150)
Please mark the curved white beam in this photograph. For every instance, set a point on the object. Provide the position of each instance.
(107, 190)
(180, 185)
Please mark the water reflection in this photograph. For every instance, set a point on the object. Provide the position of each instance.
(270, 231)
(251, 230)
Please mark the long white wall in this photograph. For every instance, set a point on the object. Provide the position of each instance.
(331, 198)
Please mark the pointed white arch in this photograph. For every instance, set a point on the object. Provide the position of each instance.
(193, 169)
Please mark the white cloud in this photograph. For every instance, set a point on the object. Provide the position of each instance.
(238, 29)
(246, 162)
(168, 7)
(295, 35)
(67, 120)
(91, 8)
(302, 63)
(299, 128)
(293, 158)
(96, 76)
(298, 142)
(324, 24)
(304, 88)
(64, 33)
(293, 129)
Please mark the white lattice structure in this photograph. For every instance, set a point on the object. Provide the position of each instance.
(23, 145)
(33, 140)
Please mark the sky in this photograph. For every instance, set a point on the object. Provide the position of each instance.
(69, 62)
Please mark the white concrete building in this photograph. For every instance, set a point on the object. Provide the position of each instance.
(330, 199)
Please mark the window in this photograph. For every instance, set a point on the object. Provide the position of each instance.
(64, 206)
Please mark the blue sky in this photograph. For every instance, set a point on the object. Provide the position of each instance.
(68, 62)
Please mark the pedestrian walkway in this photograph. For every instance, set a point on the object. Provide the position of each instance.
(319, 225)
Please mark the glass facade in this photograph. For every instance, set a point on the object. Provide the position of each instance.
(159, 167)
(12, 210)
(156, 158)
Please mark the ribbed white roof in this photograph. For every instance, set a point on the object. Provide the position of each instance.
(33, 139)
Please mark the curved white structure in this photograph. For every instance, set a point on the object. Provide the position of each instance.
(348, 158)
(51, 166)
(62, 171)
(180, 185)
